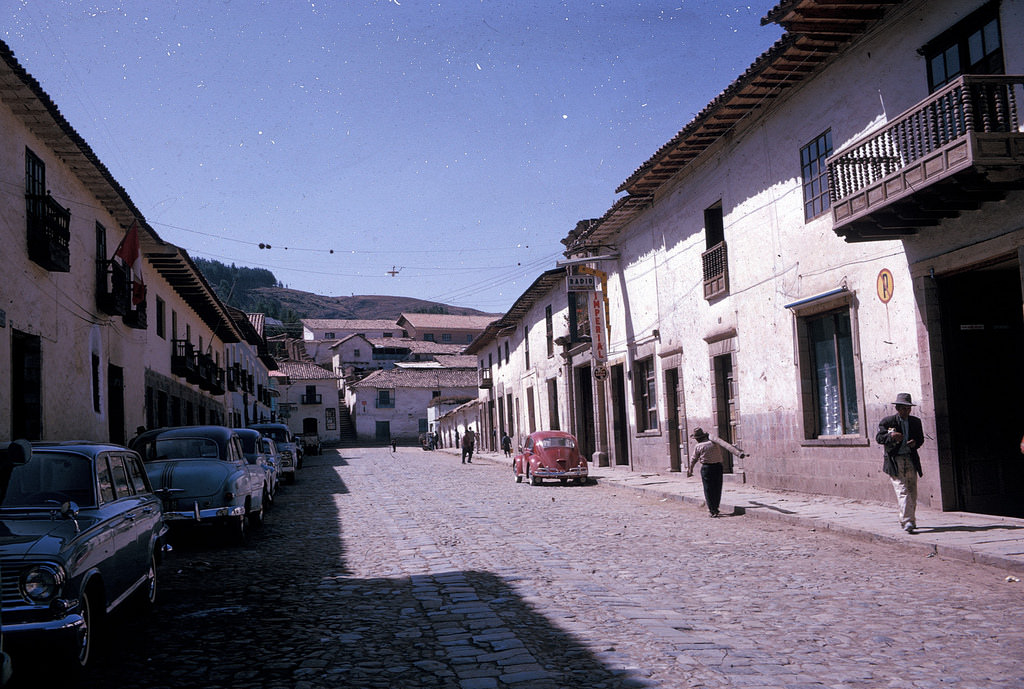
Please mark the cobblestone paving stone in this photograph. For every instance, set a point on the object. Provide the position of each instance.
(413, 570)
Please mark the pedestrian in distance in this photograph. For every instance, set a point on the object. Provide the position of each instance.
(394, 445)
(711, 458)
(506, 444)
(902, 435)
(468, 441)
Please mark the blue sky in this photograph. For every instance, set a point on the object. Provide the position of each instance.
(456, 141)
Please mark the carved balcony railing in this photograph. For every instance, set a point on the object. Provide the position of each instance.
(958, 148)
(136, 318)
(217, 381)
(183, 359)
(113, 287)
(49, 233)
(715, 265)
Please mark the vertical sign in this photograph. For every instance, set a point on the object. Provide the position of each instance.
(884, 285)
(598, 332)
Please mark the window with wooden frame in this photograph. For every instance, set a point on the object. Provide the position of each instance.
(814, 174)
(972, 46)
(646, 395)
(828, 366)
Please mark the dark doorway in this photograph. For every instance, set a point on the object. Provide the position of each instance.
(983, 337)
(383, 432)
(115, 404)
(620, 423)
(725, 403)
(675, 414)
(310, 425)
(585, 411)
(26, 386)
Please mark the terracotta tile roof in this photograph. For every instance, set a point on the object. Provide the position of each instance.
(343, 324)
(418, 378)
(422, 321)
(258, 321)
(302, 370)
(417, 346)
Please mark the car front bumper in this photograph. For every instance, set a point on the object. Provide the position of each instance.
(198, 515)
(42, 630)
(548, 472)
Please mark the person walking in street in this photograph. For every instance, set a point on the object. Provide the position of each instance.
(902, 436)
(506, 444)
(468, 441)
(711, 458)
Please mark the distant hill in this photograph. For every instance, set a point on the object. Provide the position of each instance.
(256, 290)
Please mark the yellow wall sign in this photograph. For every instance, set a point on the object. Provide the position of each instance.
(884, 285)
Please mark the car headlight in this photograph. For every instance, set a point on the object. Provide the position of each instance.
(42, 583)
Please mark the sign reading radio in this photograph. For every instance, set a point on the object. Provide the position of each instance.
(598, 333)
(581, 283)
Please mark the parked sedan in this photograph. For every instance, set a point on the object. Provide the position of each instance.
(273, 462)
(549, 455)
(289, 450)
(255, 450)
(203, 477)
(81, 533)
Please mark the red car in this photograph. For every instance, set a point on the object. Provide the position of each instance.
(550, 454)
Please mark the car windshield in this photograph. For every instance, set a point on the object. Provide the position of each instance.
(278, 434)
(557, 441)
(50, 479)
(249, 445)
(184, 448)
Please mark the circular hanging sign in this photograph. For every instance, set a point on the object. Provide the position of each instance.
(884, 285)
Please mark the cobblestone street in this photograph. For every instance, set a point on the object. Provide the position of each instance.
(413, 570)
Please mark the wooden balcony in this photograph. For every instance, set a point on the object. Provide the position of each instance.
(136, 318)
(183, 359)
(961, 147)
(49, 233)
(715, 265)
(113, 288)
(485, 380)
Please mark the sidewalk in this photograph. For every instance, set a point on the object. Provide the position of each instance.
(985, 539)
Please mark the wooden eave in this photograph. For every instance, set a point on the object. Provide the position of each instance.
(540, 287)
(29, 102)
(816, 31)
(174, 265)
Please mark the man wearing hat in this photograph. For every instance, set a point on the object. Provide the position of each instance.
(902, 435)
(709, 454)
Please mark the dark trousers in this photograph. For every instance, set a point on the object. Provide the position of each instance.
(467, 452)
(711, 477)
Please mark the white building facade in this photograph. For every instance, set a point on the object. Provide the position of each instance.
(841, 224)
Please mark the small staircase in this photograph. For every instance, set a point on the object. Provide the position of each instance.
(346, 428)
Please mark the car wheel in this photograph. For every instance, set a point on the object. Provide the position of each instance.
(256, 517)
(517, 475)
(238, 530)
(268, 498)
(534, 481)
(81, 652)
(564, 481)
(581, 481)
(148, 591)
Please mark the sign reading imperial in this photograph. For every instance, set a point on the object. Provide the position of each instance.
(581, 283)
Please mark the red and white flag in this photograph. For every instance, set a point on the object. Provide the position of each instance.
(128, 251)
